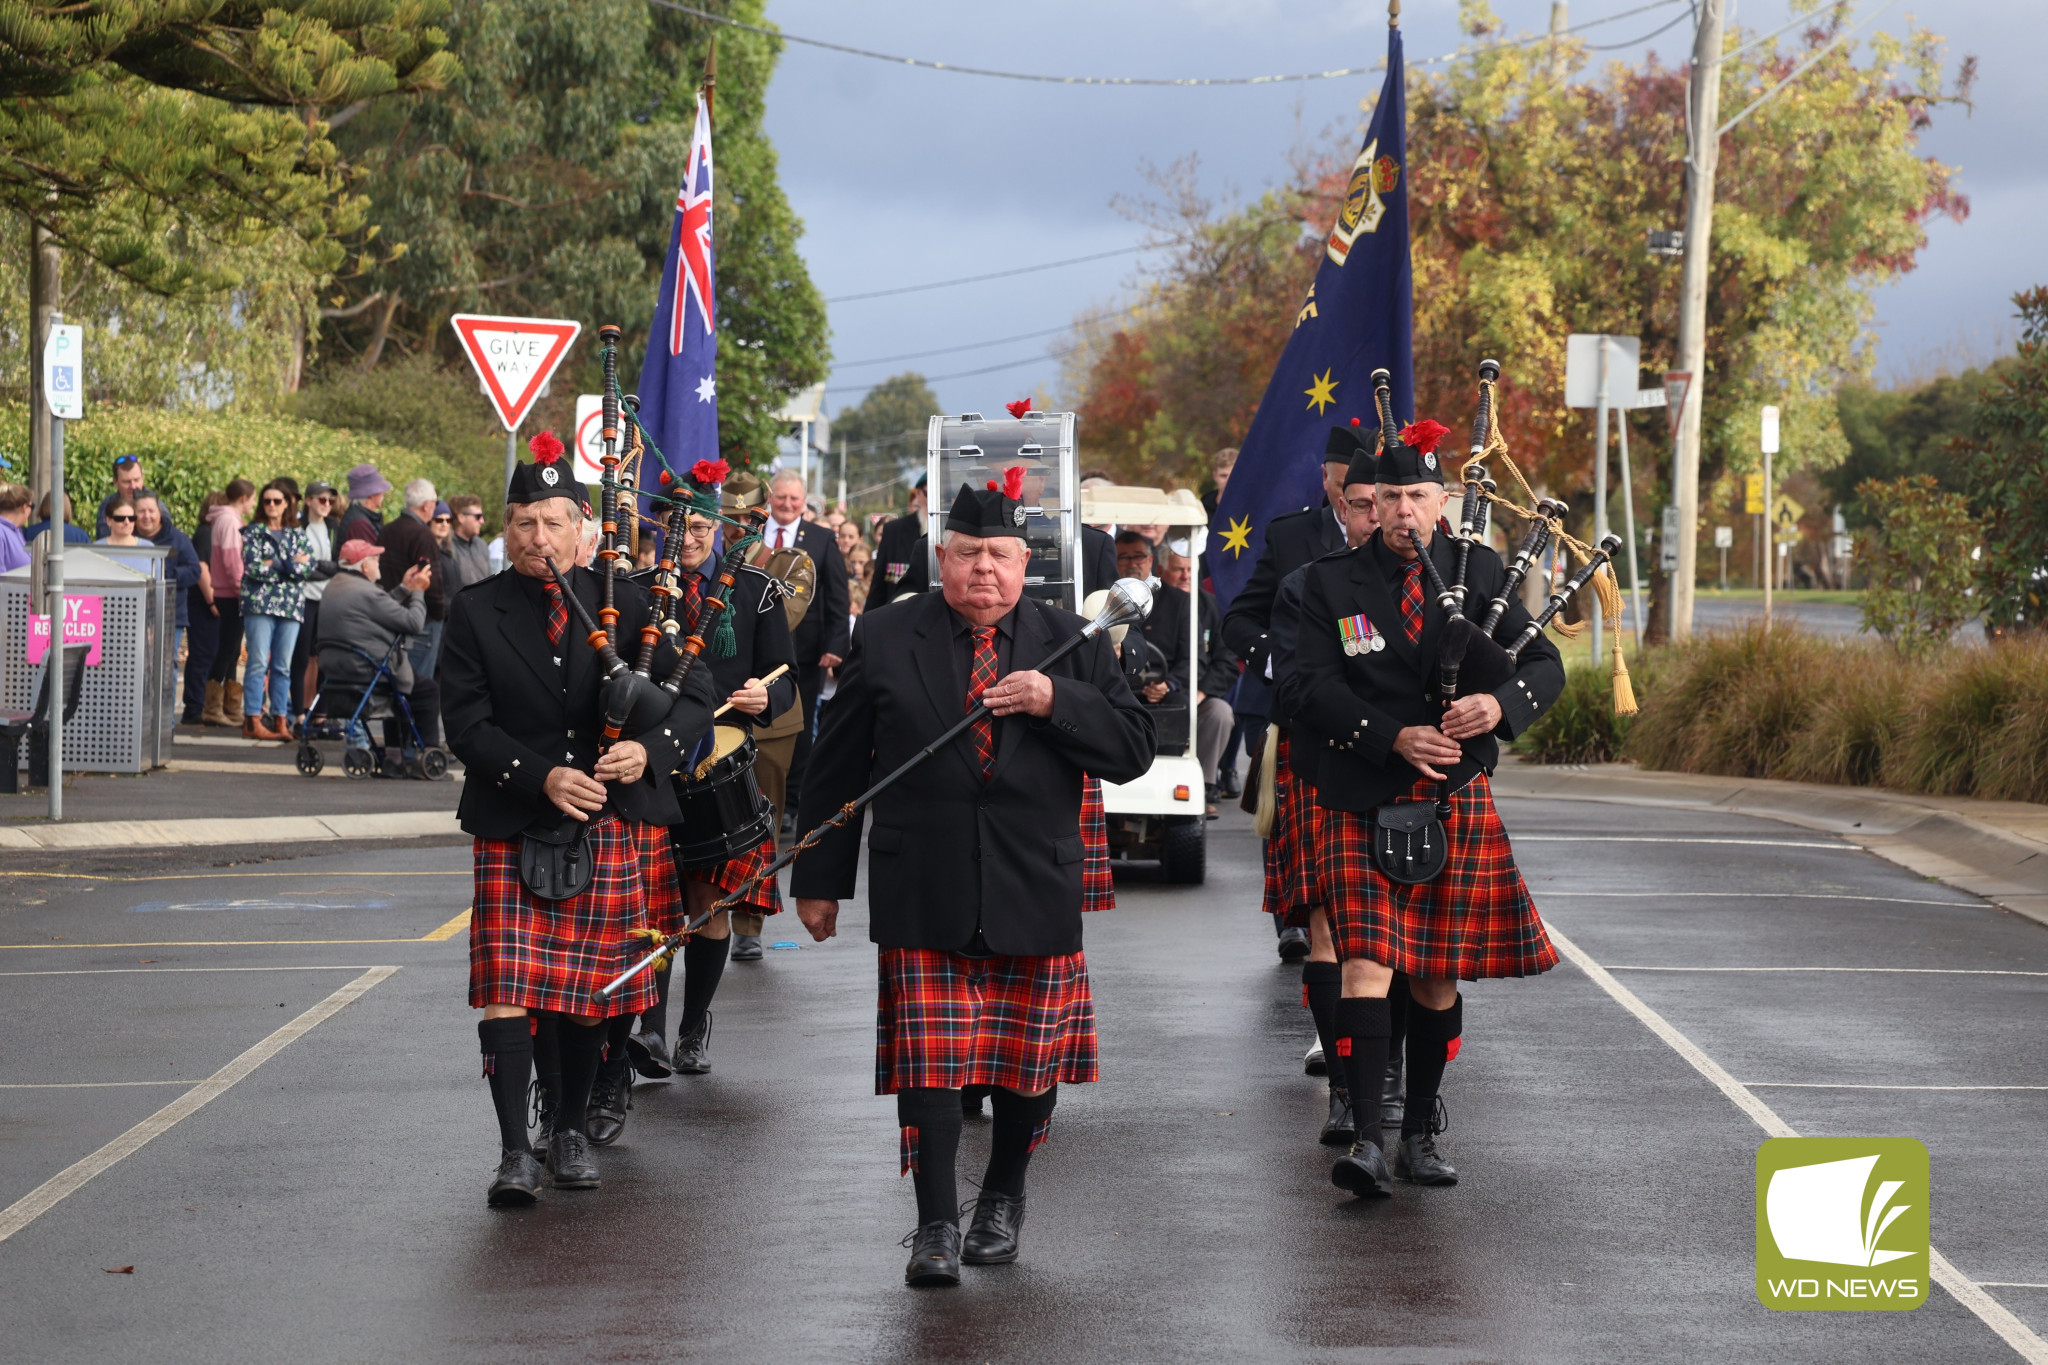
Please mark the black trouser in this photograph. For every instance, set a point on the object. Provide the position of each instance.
(202, 642)
(302, 651)
(425, 701)
(808, 678)
(227, 654)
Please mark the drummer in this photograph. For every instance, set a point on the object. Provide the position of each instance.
(758, 645)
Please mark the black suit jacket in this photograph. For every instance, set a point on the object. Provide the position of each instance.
(1358, 703)
(1098, 559)
(900, 562)
(760, 642)
(823, 630)
(513, 715)
(950, 851)
(1291, 541)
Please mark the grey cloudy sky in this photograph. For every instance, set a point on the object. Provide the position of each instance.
(906, 176)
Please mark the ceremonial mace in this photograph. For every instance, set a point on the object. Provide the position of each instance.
(1130, 601)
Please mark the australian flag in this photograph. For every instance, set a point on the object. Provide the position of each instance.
(679, 379)
(1358, 317)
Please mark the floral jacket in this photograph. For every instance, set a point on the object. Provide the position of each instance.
(272, 582)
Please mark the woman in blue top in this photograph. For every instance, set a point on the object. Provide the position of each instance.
(276, 560)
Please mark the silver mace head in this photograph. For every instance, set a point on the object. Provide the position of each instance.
(1130, 601)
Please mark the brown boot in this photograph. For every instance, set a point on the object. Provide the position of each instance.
(231, 701)
(215, 712)
(252, 728)
(280, 728)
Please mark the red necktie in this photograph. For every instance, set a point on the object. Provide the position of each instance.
(980, 677)
(693, 597)
(1411, 600)
(558, 613)
(781, 536)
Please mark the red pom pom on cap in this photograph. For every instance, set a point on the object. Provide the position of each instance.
(1354, 421)
(546, 447)
(993, 486)
(710, 471)
(667, 478)
(1424, 435)
(1013, 481)
(1019, 408)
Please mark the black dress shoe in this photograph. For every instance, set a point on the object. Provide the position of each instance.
(746, 948)
(971, 1097)
(934, 1256)
(693, 1048)
(1340, 1129)
(992, 1237)
(1363, 1171)
(517, 1182)
(611, 1095)
(649, 1055)
(1393, 1100)
(1417, 1160)
(1293, 944)
(569, 1163)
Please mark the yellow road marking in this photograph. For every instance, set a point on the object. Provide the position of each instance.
(222, 876)
(450, 929)
(440, 935)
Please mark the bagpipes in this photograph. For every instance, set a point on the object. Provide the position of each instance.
(1130, 602)
(1471, 657)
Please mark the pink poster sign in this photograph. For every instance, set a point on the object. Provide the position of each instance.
(81, 627)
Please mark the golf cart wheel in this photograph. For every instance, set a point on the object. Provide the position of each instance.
(310, 760)
(358, 762)
(1183, 850)
(434, 763)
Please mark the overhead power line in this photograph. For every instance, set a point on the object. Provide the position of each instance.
(1184, 81)
(992, 275)
(982, 345)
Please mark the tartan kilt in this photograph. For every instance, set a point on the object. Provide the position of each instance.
(1474, 920)
(551, 955)
(945, 1021)
(1098, 883)
(666, 910)
(734, 873)
(1293, 886)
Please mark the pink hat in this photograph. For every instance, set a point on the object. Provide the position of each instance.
(354, 552)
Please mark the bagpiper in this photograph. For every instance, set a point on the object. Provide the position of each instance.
(559, 819)
(1416, 868)
(976, 863)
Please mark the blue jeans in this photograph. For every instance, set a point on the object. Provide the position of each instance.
(270, 655)
(423, 652)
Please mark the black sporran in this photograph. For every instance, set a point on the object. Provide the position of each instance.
(555, 861)
(1409, 844)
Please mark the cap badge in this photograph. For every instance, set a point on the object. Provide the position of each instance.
(1017, 516)
(548, 475)
(1428, 460)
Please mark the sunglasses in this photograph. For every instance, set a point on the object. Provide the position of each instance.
(440, 521)
(123, 461)
(273, 502)
(122, 516)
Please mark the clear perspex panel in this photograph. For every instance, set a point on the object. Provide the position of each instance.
(972, 449)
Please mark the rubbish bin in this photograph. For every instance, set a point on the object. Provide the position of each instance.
(162, 683)
(124, 614)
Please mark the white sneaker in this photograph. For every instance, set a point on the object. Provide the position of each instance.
(1313, 1063)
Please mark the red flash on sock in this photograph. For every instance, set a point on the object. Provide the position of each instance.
(1343, 1047)
(1304, 997)
(1451, 1049)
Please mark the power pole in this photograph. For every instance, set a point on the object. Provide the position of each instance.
(1704, 106)
(1560, 19)
(45, 292)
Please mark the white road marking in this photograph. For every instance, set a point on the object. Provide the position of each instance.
(2013, 1284)
(1904, 971)
(72, 1178)
(1752, 896)
(1845, 1085)
(87, 1085)
(1707, 842)
(1964, 1290)
(158, 971)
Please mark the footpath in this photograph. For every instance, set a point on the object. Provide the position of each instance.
(1994, 849)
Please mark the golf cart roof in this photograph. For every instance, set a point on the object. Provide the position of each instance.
(1128, 506)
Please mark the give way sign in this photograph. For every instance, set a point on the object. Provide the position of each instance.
(514, 357)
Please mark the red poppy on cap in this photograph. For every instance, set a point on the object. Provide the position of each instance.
(546, 447)
(1019, 408)
(1424, 435)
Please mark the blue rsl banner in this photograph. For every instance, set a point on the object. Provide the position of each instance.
(679, 378)
(1358, 317)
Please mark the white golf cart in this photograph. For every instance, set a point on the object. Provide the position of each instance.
(1160, 815)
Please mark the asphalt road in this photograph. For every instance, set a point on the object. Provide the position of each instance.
(328, 1203)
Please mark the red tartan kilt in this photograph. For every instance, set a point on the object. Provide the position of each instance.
(944, 1021)
(1293, 886)
(734, 873)
(1098, 883)
(665, 905)
(552, 955)
(1474, 920)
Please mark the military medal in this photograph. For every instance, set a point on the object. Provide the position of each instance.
(1358, 636)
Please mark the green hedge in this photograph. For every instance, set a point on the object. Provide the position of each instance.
(187, 455)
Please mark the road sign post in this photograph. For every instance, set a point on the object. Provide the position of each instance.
(1591, 361)
(1770, 448)
(64, 391)
(1724, 536)
(514, 359)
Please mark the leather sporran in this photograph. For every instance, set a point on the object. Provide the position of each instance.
(1409, 844)
(556, 861)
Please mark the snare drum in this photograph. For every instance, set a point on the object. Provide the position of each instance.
(724, 813)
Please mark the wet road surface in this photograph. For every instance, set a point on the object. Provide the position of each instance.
(328, 1203)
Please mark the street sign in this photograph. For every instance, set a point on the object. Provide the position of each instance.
(64, 371)
(1642, 398)
(514, 357)
(1667, 543)
(1770, 432)
(1724, 537)
(1753, 493)
(1582, 369)
(1677, 384)
(589, 442)
(1785, 515)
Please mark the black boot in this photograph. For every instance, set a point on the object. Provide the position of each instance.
(611, 1098)
(1417, 1160)
(1340, 1129)
(647, 1045)
(693, 1046)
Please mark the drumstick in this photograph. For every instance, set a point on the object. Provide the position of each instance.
(770, 676)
